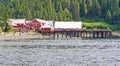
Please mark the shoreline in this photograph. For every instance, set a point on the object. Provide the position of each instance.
(28, 37)
(20, 37)
(25, 36)
(116, 35)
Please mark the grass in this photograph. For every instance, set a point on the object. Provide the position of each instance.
(101, 25)
(34, 32)
(115, 29)
(90, 23)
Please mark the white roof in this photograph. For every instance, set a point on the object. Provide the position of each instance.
(44, 21)
(40, 20)
(48, 24)
(28, 21)
(13, 24)
(71, 25)
(16, 21)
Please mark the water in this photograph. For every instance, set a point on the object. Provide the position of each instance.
(65, 52)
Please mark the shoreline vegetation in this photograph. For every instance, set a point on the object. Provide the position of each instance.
(101, 25)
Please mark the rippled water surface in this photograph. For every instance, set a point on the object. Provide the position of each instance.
(65, 52)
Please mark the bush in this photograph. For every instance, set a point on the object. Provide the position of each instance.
(6, 29)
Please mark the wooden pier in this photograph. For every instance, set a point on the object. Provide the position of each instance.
(79, 33)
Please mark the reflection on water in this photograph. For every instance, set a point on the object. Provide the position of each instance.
(103, 52)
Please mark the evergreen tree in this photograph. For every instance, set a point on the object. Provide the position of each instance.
(67, 16)
(59, 9)
(4, 22)
(85, 10)
(116, 18)
(60, 18)
(75, 11)
(108, 16)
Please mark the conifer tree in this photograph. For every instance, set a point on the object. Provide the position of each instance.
(55, 9)
(75, 11)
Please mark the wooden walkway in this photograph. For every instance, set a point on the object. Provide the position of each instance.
(80, 33)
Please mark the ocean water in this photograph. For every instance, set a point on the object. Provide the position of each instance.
(60, 52)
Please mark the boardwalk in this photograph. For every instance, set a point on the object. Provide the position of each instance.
(80, 33)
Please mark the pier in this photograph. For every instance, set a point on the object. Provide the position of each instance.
(79, 33)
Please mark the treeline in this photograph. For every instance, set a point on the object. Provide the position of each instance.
(62, 10)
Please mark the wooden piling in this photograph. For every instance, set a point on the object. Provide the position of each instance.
(81, 33)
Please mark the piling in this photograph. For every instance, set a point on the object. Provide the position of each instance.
(80, 33)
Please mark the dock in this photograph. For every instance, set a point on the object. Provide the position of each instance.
(79, 33)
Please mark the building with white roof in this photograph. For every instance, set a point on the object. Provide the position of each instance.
(17, 23)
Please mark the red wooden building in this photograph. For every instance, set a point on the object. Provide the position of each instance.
(47, 27)
(17, 23)
(42, 25)
(36, 23)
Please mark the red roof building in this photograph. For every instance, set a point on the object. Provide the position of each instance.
(17, 23)
(42, 25)
(36, 23)
(47, 27)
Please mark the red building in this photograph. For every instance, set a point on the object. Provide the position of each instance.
(36, 23)
(47, 27)
(17, 23)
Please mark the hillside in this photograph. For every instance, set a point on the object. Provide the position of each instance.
(62, 10)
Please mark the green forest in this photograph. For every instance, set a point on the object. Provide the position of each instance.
(62, 10)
